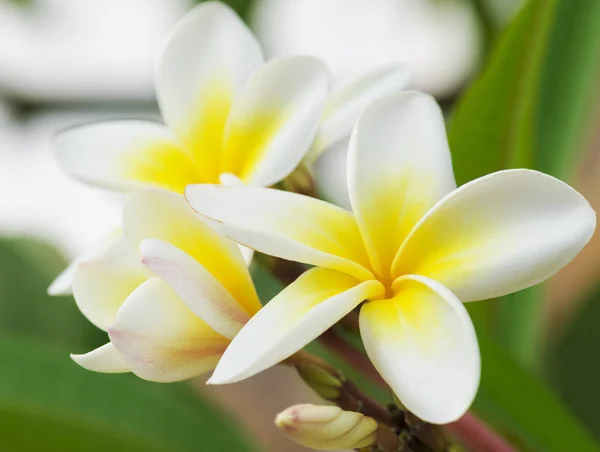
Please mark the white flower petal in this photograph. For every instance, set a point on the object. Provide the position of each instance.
(499, 234)
(285, 225)
(101, 285)
(198, 289)
(349, 99)
(162, 215)
(423, 344)
(161, 339)
(103, 359)
(124, 155)
(330, 175)
(204, 64)
(297, 315)
(62, 284)
(275, 119)
(398, 168)
(247, 254)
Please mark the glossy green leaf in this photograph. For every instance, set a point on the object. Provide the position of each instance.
(530, 108)
(48, 403)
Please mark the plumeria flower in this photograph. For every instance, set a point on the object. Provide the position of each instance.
(412, 250)
(171, 292)
(229, 115)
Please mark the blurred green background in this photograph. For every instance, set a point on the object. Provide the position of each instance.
(519, 82)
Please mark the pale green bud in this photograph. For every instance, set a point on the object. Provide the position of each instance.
(327, 427)
(320, 380)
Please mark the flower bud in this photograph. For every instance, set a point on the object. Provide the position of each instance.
(320, 380)
(327, 427)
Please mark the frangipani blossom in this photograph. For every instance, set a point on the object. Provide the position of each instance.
(413, 249)
(227, 113)
(172, 292)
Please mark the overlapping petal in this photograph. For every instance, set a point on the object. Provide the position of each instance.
(398, 167)
(125, 155)
(296, 316)
(499, 234)
(162, 215)
(160, 339)
(285, 225)
(423, 343)
(347, 101)
(204, 64)
(196, 286)
(101, 285)
(274, 119)
(104, 359)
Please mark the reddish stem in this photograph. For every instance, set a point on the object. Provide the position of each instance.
(476, 435)
(356, 359)
(469, 430)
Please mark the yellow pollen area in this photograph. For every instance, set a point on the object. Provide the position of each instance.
(392, 207)
(166, 165)
(211, 145)
(161, 164)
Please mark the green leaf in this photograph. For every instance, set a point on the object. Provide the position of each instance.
(530, 108)
(521, 405)
(573, 364)
(48, 403)
(568, 83)
(28, 266)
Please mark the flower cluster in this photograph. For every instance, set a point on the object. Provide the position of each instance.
(172, 288)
